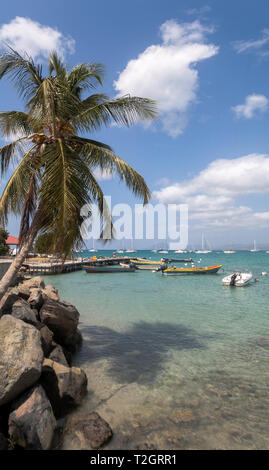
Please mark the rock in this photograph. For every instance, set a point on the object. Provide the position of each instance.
(21, 357)
(32, 422)
(22, 291)
(62, 319)
(36, 299)
(183, 417)
(23, 311)
(57, 355)
(7, 301)
(86, 431)
(65, 386)
(3, 442)
(51, 292)
(59, 434)
(73, 342)
(46, 339)
(34, 282)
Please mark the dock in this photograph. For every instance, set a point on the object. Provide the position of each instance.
(76, 264)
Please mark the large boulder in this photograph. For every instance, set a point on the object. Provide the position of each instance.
(65, 386)
(22, 310)
(58, 355)
(22, 291)
(35, 299)
(7, 301)
(32, 422)
(34, 282)
(47, 338)
(21, 357)
(62, 319)
(51, 292)
(86, 431)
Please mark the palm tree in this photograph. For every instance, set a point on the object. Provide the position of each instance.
(54, 177)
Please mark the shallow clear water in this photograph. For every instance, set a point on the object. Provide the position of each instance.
(176, 362)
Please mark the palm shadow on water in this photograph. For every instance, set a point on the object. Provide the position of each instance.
(139, 354)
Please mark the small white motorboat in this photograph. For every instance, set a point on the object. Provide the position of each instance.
(237, 279)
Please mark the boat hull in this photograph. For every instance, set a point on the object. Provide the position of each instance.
(108, 269)
(241, 280)
(184, 271)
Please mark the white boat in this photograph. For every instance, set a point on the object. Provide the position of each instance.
(229, 251)
(180, 251)
(237, 279)
(254, 247)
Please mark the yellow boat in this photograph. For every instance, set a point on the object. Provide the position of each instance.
(205, 270)
(146, 264)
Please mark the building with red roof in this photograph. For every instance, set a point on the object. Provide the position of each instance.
(12, 240)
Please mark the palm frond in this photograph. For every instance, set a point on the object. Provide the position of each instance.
(23, 72)
(85, 76)
(11, 152)
(16, 122)
(98, 157)
(123, 111)
(56, 65)
(14, 193)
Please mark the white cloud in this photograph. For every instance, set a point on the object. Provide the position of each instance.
(199, 11)
(162, 182)
(167, 72)
(253, 103)
(211, 195)
(102, 175)
(26, 35)
(256, 46)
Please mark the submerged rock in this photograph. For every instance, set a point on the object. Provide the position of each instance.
(62, 319)
(22, 310)
(65, 386)
(86, 431)
(184, 417)
(21, 357)
(32, 422)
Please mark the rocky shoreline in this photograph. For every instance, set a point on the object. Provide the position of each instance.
(38, 386)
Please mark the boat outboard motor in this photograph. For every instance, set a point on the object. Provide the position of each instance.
(233, 278)
(162, 268)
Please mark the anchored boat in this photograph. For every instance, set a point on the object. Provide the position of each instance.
(173, 271)
(105, 268)
(237, 279)
(147, 264)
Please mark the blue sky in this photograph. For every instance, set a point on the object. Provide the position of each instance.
(207, 65)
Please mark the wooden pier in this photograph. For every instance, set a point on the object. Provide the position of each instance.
(76, 264)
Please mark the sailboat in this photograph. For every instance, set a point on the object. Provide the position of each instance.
(254, 247)
(131, 250)
(92, 250)
(122, 249)
(203, 245)
(163, 250)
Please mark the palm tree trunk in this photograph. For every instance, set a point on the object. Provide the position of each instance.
(16, 264)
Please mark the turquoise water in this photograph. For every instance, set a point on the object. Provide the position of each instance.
(176, 362)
